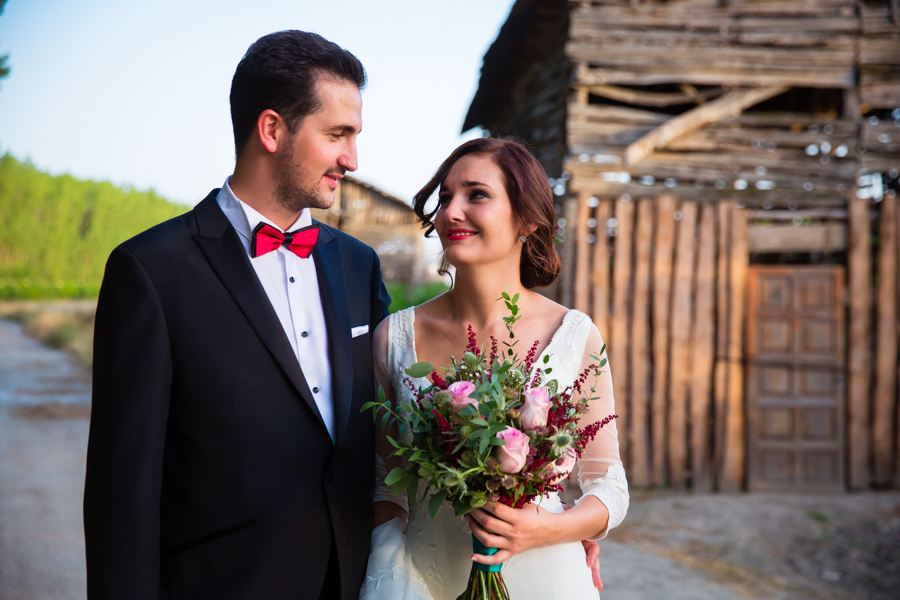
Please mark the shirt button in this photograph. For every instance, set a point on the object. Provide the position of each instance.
(315, 390)
(292, 280)
(304, 334)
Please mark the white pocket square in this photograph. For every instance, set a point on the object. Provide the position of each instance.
(358, 331)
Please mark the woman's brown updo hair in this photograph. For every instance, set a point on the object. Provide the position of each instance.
(529, 193)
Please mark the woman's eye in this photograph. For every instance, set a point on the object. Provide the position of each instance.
(476, 194)
(442, 200)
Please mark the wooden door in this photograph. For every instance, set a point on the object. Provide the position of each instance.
(795, 378)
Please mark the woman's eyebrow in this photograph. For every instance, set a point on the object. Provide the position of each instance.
(475, 183)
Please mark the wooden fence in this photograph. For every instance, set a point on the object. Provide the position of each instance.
(665, 282)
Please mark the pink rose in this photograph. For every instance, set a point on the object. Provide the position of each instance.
(563, 465)
(461, 391)
(534, 412)
(512, 456)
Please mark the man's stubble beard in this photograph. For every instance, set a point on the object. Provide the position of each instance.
(291, 196)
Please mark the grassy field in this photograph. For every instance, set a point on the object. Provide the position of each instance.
(58, 231)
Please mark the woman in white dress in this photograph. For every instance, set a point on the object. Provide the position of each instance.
(495, 220)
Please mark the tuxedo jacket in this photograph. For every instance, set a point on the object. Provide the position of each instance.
(210, 473)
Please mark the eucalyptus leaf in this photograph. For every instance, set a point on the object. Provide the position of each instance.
(420, 369)
(394, 476)
(401, 484)
(381, 393)
(434, 505)
(546, 358)
(602, 363)
(515, 298)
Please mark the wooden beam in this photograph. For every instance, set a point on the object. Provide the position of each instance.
(720, 390)
(600, 269)
(680, 341)
(703, 346)
(582, 255)
(886, 346)
(620, 319)
(663, 248)
(729, 105)
(859, 263)
(655, 99)
(639, 441)
(735, 452)
(814, 237)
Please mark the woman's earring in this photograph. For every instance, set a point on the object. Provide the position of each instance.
(522, 238)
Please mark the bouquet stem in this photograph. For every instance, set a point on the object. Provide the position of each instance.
(485, 581)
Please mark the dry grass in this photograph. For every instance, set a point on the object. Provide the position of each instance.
(64, 324)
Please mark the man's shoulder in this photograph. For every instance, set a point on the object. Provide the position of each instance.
(168, 236)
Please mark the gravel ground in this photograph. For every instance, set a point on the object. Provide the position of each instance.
(672, 546)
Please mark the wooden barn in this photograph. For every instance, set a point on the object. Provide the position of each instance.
(382, 221)
(726, 174)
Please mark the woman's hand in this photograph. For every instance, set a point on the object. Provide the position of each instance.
(511, 530)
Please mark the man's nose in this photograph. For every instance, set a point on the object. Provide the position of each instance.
(348, 159)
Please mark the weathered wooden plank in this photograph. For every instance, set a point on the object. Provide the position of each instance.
(621, 319)
(835, 214)
(680, 339)
(600, 269)
(663, 257)
(886, 346)
(720, 391)
(582, 255)
(729, 105)
(703, 346)
(630, 96)
(735, 453)
(815, 237)
(859, 262)
(639, 436)
(653, 75)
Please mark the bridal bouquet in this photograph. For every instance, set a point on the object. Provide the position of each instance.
(490, 427)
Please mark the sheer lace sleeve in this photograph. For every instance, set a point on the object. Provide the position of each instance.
(600, 470)
(382, 352)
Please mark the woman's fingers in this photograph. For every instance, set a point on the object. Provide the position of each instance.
(495, 559)
(486, 537)
(489, 522)
(592, 549)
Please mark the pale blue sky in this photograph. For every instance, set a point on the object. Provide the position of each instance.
(137, 92)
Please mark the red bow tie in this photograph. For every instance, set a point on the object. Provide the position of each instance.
(267, 238)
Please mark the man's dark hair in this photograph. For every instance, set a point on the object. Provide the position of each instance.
(279, 72)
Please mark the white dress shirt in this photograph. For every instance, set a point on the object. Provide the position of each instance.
(291, 284)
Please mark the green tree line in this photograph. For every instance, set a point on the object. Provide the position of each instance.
(56, 232)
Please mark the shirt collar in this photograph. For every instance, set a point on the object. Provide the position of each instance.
(247, 218)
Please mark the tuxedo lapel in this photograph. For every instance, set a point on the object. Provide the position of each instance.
(330, 274)
(225, 253)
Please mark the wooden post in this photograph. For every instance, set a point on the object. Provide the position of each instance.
(886, 346)
(618, 345)
(859, 262)
(703, 343)
(567, 274)
(600, 270)
(582, 254)
(724, 209)
(639, 438)
(735, 453)
(679, 349)
(662, 285)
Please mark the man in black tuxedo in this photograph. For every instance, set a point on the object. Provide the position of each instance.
(228, 457)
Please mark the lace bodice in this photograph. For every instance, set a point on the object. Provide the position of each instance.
(600, 470)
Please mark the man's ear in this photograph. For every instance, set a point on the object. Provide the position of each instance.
(270, 129)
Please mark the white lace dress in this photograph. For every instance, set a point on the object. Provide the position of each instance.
(431, 558)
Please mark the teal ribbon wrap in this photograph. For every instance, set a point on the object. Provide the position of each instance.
(480, 548)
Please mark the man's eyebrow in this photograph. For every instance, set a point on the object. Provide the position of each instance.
(345, 129)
